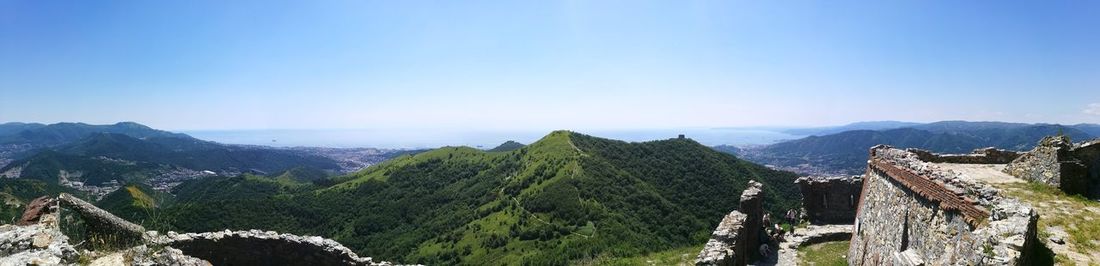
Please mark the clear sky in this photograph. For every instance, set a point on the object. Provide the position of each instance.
(533, 65)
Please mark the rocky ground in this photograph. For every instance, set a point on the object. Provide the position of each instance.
(1068, 225)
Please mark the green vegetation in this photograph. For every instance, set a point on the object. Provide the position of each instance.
(48, 166)
(135, 160)
(824, 254)
(677, 256)
(1073, 214)
(135, 202)
(568, 198)
(17, 193)
(507, 146)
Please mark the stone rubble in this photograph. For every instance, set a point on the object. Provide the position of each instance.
(35, 244)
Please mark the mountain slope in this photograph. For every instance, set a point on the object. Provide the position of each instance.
(194, 154)
(134, 202)
(868, 125)
(563, 198)
(507, 146)
(38, 135)
(103, 157)
(53, 167)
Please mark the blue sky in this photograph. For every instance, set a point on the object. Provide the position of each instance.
(535, 65)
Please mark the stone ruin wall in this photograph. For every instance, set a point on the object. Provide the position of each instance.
(830, 200)
(1089, 154)
(255, 247)
(37, 239)
(978, 156)
(1056, 161)
(735, 239)
(911, 213)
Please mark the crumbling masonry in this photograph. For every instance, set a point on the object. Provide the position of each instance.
(37, 239)
(1056, 161)
(830, 200)
(736, 237)
(911, 212)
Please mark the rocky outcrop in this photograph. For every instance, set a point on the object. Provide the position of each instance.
(913, 213)
(735, 240)
(830, 200)
(36, 210)
(35, 244)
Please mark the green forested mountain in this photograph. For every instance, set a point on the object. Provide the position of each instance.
(15, 194)
(102, 157)
(866, 125)
(49, 166)
(565, 198)
(194, 154)
(40, 135)
(507, 146)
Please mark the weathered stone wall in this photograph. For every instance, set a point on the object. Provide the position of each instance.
(724, 246)
(752, 205)
(830, 200)
(1088, 153)
(1053, 162)
(102, 226)
(264, 248)
(738, 235)
(911, 213)
(979, 156)
(38, 241)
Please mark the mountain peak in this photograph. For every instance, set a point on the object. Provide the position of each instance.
(131, 125)
(510, 145)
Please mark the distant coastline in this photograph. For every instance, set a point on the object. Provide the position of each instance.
(410, 139)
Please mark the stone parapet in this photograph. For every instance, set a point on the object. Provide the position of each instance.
(912, 212)
(979, 156)
(830, 200)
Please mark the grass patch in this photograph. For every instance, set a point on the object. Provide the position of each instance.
(824, 254)
(677, 256)
(1074, 214)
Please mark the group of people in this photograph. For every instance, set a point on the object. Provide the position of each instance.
(773, 232)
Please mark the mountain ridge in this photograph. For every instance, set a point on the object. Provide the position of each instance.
(845, 152)
(566, 197)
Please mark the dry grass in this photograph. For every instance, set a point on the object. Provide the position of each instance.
(1078, 217)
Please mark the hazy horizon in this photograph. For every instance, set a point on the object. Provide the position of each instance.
(481, 138)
